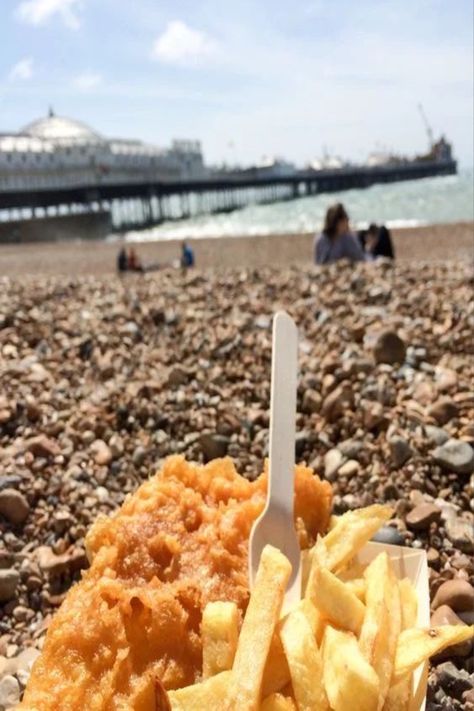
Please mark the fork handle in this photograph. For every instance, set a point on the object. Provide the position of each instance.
(283, 412)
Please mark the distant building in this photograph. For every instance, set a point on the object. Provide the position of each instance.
(55, 152)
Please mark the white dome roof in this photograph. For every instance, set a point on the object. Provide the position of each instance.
(59, 128)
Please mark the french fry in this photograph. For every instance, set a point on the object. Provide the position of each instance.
(257, 631)
(382, 621)
(219, 633)
(349, 680)
(349, 535)
(278, 702)
(276, 674)
(304, 661)
(416, 645)
(207, 694)
(357, 587)
(399, 693)
(335, 601)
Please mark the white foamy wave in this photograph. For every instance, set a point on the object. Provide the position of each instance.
(407, 204)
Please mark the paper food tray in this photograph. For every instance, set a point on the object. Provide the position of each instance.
(412, 564)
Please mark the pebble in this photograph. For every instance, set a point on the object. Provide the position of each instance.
(456, 456)
(42, 446)
(349, 468)
(422, 516)
(332, 462)
(214, 446)
(443, 411)
(9, 692)
(461, 533)
(456, 594)
(390, 536)
(311, 401)
(400, 451)
(436, 435)
(454, 681)
(389, 348)
(101, 452)
(14, 506)
(9, 580)
(87, 360)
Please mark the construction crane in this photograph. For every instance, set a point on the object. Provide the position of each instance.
(429, 130)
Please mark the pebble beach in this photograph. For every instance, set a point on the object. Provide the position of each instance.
(102, 378)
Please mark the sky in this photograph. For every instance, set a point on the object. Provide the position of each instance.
(250, 78)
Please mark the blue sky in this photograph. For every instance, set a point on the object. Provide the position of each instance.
(248, 78)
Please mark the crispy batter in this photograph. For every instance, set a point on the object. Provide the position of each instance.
(178, 543)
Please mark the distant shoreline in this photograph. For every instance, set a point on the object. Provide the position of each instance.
(97, 258)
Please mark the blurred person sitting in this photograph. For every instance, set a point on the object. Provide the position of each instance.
(336, 241)
(378, 242)
(187, 256)
(122, 261)
(133, 261)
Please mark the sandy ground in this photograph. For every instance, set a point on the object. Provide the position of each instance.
(432, 243)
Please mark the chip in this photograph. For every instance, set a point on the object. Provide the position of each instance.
(205, 695)
(259, 624)
(335, 601)
(416, 645)
(219, 634)
(350, 682)
(304, 661)
(278, 702)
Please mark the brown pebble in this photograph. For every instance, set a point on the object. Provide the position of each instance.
(422, 516)
(458, 594)
(444, 615)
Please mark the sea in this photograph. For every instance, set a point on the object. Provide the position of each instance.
(406, 204)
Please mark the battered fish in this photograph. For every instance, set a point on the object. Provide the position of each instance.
(178, 543)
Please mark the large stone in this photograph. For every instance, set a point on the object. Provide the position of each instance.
(14, 506)
(443, 411)
(214, 446)
(458, 594)
(400, 451)
(389, 348)
(422, 516)
(9, 580)
(456, 456)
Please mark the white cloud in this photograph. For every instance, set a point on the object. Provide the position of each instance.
(180, 44)
(22, 70)
(88, 80)
(38, 12)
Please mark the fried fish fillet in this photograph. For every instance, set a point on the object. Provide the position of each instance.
(178, 543)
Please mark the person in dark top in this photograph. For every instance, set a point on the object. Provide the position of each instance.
(336, 241)
(379, 242)
(133, 261)
(187, 256)
(122, 261)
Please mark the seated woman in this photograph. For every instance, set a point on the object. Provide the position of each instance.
(379, 242)
(336, 241)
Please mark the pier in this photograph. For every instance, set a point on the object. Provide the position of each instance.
(138, 205)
